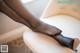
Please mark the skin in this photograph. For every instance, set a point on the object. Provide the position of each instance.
(16, 11)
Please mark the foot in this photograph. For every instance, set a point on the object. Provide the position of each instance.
(47, 29)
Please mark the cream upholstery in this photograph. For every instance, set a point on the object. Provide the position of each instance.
(40, 43)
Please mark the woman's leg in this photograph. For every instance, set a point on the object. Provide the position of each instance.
(34, 23)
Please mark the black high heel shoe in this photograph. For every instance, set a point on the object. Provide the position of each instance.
(68, 42)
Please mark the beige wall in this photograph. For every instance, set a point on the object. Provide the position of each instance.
(7, 24)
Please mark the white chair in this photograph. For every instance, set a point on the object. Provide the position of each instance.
(40, 43)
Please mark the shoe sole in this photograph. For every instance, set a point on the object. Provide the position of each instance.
(76, 43)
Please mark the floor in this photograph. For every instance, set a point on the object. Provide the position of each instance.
(18, 46)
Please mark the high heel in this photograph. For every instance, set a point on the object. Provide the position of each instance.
(76, 43)
(68, 42)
